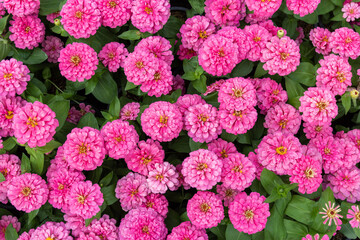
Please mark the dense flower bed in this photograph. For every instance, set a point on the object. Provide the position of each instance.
(145, 119)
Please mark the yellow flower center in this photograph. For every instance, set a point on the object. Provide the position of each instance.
(257, 39)
(237, 92)
(32, 122)
(318, 128)
(224, 153)
(8, 76)
(325, 39)
(81, 199)
(203, 34)
(201, 166)
(146, 160)
(163, 120)
(283, 123)
(327, 150)
(49, 238)
(284, 55)
(321, 105)
(78, 14)
(157, 76)
(148, 10)
(4, 172)
(139, 64)
(309, 173)
(204, 207)
(348, 40)
(249, 214)
(149, 204)
(26, 191)
(229, 192)
(112, 4)
(357, 216)
(83, 148)
(238, 114)
(281, 150)
(341, 77)
(75, 60)
(145, 229)
(27, 29)
(221, 53)
(134, 192)
(159, 177)
(276, 92)
(119, 139)
(351, 11)
(238, 169)
(9, 115)
(203, 117)
(61, 186)
(111, 55)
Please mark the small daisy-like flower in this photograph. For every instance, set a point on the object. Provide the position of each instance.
(202, 169)
(226, 193)
(34, 124)
(202, 123)
(351, 11)
(142, 223)
(184, 102)
(249, 213)
(205, 210)
(345, 42)
(130, 111)
(120, 138)
(320, 39)
(162, 121)
(262, 10)
(112, 55)
(150, 15)
(345, 183)
(317, 128)
(78, 61)
(257, 36)
(225, 12)
(354, 215)
(104, 228)
(27, 32)
(143, 158)
(52, 47)
(114, 13)
(316, 237)
(158, 202)
(21, 8)
(51, 230)
(5, 221)
(158, 46)
(218, 55)
(269, 94)
(283, 117)
(195, 31)
(331, 213)
(80, 18)
(318, 104)
(187, 231)
(85, 199)
(162, 177)
(84, 149)
(8, 106)
(185, 53)
(28, 192)
(222, 148)
(302, 7)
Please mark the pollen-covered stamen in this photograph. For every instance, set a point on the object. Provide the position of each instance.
(78, 14)
(7, 76)
(341, 77)
(134, 192)
(281, 150)
(49, 238)
(321, 105)
(238, 114)
(203, 117)
(32, 122)
(145, 229)
(238, 169)
(159, 177)
(203, 34)
(26, 191)
(119, 139)
(325, 39)
(163, 120)
(357, 216)
(327, 150)
(139, 64)
(81, 199)
(4, 172)
(149, 204)
(237, 92)
(309, 173)
(111, 55)
(157, 76)
(284, 55)
(83, 148)
(348, 40)
(224, 9)
(112, 4)
(204, 207)
(27, 29)
(9, 115)
(229, 192)
(75, 60)
(201, 166)
(146, 160)
(249, 214)
(224, 153)
(318, 128)
(283, 123)
(148, 10)
(221, 52)
(257, 39)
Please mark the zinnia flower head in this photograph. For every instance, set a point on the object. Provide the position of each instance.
(162, 121)
(182, 182)
(249, 213)
(225, 12)
(78, 61)
(214, 87)
(320, 39)
(237, 122)
(104, 228)
(184, 102)
(205, 210)
(187, 231)
(262, 10)
(34, 124)
(269, 94)
(8, 106)
(178, 83)
(75, 115)
(158, 202)
(142, 223)
(345, 42)
(5, 221)
(75, 223)
(84, 148)
(51, 17)
(27, 31)
(259, 168)
(222, 148)
(351, 11)
(283, 117)
(354, 136)
(139, 67)
(354, 215)
(114, 13)
(331, 213)
(150, 15)
(351, 153)
(162, 177)
(202, 169)
(158, 46)
(218, 55)
(130, 111)
(22, 8)
(52, 47)
(185, 53)
(85, 199)
(80, 18)
(302, 7)
(226, 193)
(27, 192)
(112, 55)
(316, 237)
(317, 128)
(239, 37)
(257, 36)
(51, 230)
(269, 25)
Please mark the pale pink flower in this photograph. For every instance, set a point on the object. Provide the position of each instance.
(331, 213)
(354, 215)
(104, 228)
(345, 42)
(112, 55)
(302, 7)
(301, 36)
(21, 8)
(51, 230)
(345, 183)
(225, 12)
(283, 117)
(158, 46)
(52, 47)
(130, 111)
(114, 13)
(161, 177)
(351, 11)
(320, 39)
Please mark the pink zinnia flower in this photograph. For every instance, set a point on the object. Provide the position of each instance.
(104, 228)
(51, 17)
(202, 123)
(27, 192)
(21, 8)
(185, 53)
(307, 173)
(14, 76)
(354, 136)
(8, 106)
(259, 168)
(139, 67)
(187, 231)
(80, 18)
(302, 7)
(52, 47)
(238, 172)
(112, 55)
(78, 61)
(120, 138)
(269, 94)
(318, 104)
(130, 111)
(52, 230)
(354, 215)
(84, 149)
(237, 93)
(25, 235)
(257, 36)
(205, 210)
(202, 169)
(87, 236)
(351, 11)
(27, 32)
(237, 122)
(345, 42)
(195, 31)
(214, 87)
(75, 223)
(132, 190)
(239, 37)
(281, 56)
(158, 46)
(269, 25)
(345, 183)
(331, 213)
(74, 115)
(317, 128)
(114, 13)
(34, 124)
(320, 39)
(162, 121)
(226, 193)
(150, 15)
(262, 10)
(283, 117)
(184, 102)
(218, 55)
(222, 148)
(301, 36)
(278, 152)
(143, 158)
(85, 199)
(182, 182)
(316, 237)
(158, 202)
(225, 12)
(178, 83)
(58, 162)
(249, 213)
(5, 221)
(334, 74)
(163, 176)
(351, 153)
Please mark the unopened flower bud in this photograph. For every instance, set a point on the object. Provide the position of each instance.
(280, 33)
(354, 94)
(57, 22)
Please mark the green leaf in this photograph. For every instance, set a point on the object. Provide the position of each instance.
(184, 217)
(270, 180)
(242, 69)
(49, 146)
(89, 220)
(114, 108)
(36, 159)
(91, 84)
(200, 84)
(294, 91)
(295, 230)
(310, 18)
(9, 144)
(107, 179)
(2, 178)
(244, 138)
(190, 65)
(348, 231)
(338, 2)
(37, 56)
(171, 28)
(180, 144)
(10, 233)
(189, 76)
(106, 89)
(197, 5)
(346, 101)
(109, 194)
(4, 49)
(228, 136)
(196, 145)
(259, 72)
(130, 35)
(357, 232)
(61, 109)
(300, 209)
(325, 7)
(25, 164)
(32, 215)
(219, 231)
(275, 227)
(129, 86)
(304, 74)
(172, 219)
(3, 22)
(290, 24)
(48, 6)
(233, 234)
(88, 120)
(317, 223)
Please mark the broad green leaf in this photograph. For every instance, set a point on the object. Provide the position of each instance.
(200, 84)
(171, 28)
(89, 220)
(184, 217)
(3, 22)
(106, 89)
(107, 179)
(10, 233)
(295, 230)
(294, 91)
(290, 24)
(219, 231)
(190, 65)
(196, 145)
(32, 215)
(304, 74)
(91, 84)
(300, 209)
(228, 136)
(325, 7)
(36, 160)
(180, 144)
(172, 219)
(49, 146)
(197, 5)
(4, 49)
(310, 18)
(109, 194)
(270, 180)
(88, 120)
(37, 56)
(357, 232)
(233, 234)
(9, 144)
(130, 35)
(259, 72)
(275, 227)
(348, 231)
(25, 164)
(242, 69)
(2, 178)
(346, 101)
(114, 108)
(48, 6)
(61, 109)
(129, 86)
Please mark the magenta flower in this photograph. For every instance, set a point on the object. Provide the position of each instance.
(226, 193)
(345, 42)
(8, 106)
(205, 210)
(142, 223)
(184, 102)
(345, 183)
(259, 168)
(331, 213)
(351, 11)
(283, 117)
(237, 122)
(150, 15)
(262, 10)
(140, 67)
(214, 87)
(269, 94)
(52, 47)
(5, 221)
(51, 230)
(75, 115)
(302, 7)
(27, 192)
(354, 136)
(354, 215)
(320, 39)
(78, 61)
(185, 53)
(158, 202)
(317, 128)
(114, 13)
(58, 162)
(51, 17)
(249, 213)
(257, 36)
(27, 31)
(21, 8)
(158, 46)
(187, 231)
(113, 55)
(316, 237)
(84, 149)
(161, 177)
(222, 148)
(182, 182)
(162, 121)
(104, 228)
(75, 223)
(178, 83)
(202, 169)
(130, 111)
(225, 12)
(239, 37)
(85, 199)
(269, 25)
